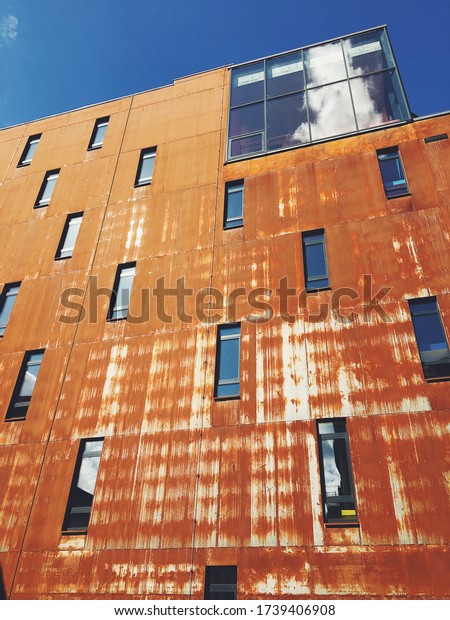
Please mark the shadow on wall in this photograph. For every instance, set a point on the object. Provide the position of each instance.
(2, 587)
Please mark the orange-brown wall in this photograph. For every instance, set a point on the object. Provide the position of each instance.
(185, 480)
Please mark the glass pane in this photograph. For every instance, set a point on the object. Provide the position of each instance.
(285, 75)
(229, 359)
(234, 203)
(247, 84)
(393, 176)
(72, 233)
(335, 468)
(366, 53)
(100, 134)
(87, 476)
(244, 146)
(30, 151)
(325, 64)
(377, 100)
(425, 304)
(247, 119)
(287, 122)
(148, 162)
(431, 338)
(330, 111)
(7, 307)
(228, 389)
(49, 187)
(315, 261)
(30, 376)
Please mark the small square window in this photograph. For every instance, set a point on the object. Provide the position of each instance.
(81, 496)
(392, 172)
(234, 204)
(338, 495)
(227, 382)
(315, 260)
(69, 236)
(47, 187)
(7, 301)
(98, 134)
(25, 384)
(145, 169)
(120, 298)
(220, 583)
(29, 150)
(431, 339)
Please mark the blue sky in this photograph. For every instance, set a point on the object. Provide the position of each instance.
(57, 55)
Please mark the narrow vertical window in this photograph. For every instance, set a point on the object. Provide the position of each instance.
(431, 339)
(81, 496)
(220, 583)
(69, 236)
(145, 169)
(227, 383)
(47, 187)
(98, 134)
(234, 204)
(392, 172)
(315, 260)
(23, 390)
(7, 301)
(29, 150)
(120, 298)
(338, 494)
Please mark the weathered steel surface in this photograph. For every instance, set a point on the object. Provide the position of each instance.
(184, 480)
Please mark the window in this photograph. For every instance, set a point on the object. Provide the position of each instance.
(431, 340)
(227, 384)
(7, 301)
(234, 204)
(338, 494)
(220, 583)
(29, 150)
(69, 236)
(336, 88)
(315, 260)
(24, 387)
(120, 298)
(145, 168)
(47, 187)
(81, 496)
(98, 135)
(392, 173)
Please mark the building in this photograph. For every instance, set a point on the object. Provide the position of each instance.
(265, 414)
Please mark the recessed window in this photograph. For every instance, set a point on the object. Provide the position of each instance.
(392, 172)
(145, 169)
(234, 204)
(81, 496)
(25, 384)
(338, 495)
(431, 339)
(29, 150)
(220, 583)
(7, 301)
(98, 135)
(47, 187)
(227, 383)
(69, 236)
(120, 298)
(315, 260)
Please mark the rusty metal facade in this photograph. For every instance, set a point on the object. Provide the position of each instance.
(185, 480)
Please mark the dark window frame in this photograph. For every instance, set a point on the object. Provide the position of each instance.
(71, 507)
(14, 404)
(93, 146)
(401, 187)
(39, 202)
(23, 161)
(6, 292)
(433, 371)
(228, 584)
(232, 187)
(352, 520)
(305, 243)
(62, 241)
(218, 382)
(146, 180)
(115, 290)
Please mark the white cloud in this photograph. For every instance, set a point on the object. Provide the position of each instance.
(8, 29)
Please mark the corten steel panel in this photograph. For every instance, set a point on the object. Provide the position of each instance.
(19, 469)
(35, 428)
(9, 152)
